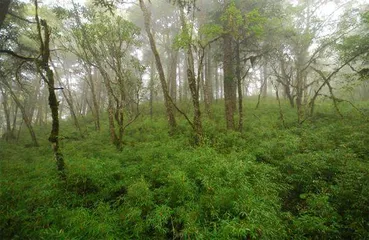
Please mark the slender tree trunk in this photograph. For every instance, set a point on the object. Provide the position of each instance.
(239, 88)
(151, 88)
(159, 66)
(96, 109)
(9, 134)
(180, 82)
(25, 117)
(31, 105)
(172, 75)
(299, 95)
(208, 88)
(4, 7)
(217, 85)
(106, 81)
(286, 85)
(15, 116)
(265, 81)
(194, 84)
(185, 86)
(229, 81)
(48, 76)
(69, 99)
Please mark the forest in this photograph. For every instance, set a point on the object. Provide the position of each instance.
(184, 119)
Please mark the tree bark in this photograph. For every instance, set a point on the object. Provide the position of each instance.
(48, 76)
(172, 74)
(25, 116)
(168, 104)
(285, 80)
(264, 89)
(239, 88)
(4, 8)
(69, 99)
(151, 88)
(229, 81)
(208, 88)
(9, 134)
(112, 111)
(217, 85)
(194, 83)
(96, 111)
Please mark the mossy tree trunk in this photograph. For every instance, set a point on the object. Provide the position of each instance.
(167, 100)
(9, 134)
(48, 76)
(194, 83)
(230, 98)
(4, 7)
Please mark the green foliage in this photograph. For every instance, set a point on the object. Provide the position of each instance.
(232, 19)
(306, 182)
(183, 39)
(211, 31)
(255, 23)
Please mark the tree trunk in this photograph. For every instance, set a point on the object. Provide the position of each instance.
(112, 111)
(239, 88)
(69, 99)
(185, 85)
(31, 104)
(25, 117)
(48, 76)
(299, 94)
(4, 7)
(286, 83)
(264, 90)
(208, 88)
(217, 85)
(9, 134)
(96, 111)
(151, 88)
(26, 120)
(159, 66)
(172, 75)
(194, 84)
(229, 81)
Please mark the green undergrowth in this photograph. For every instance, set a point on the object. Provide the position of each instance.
(273, 181)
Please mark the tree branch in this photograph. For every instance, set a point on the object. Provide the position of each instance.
(21, 18)
(9, 52)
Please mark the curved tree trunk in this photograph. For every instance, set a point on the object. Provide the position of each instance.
(9, 134)
(25, 116)
(168, 104)
(48, 76)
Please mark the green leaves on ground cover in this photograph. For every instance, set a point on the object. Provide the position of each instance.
(307, 181)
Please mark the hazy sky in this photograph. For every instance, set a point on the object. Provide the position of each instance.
(62, 3)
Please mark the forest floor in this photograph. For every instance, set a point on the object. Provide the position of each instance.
(273, 181)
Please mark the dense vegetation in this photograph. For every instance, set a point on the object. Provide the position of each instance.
(307, 181)
(184, 119)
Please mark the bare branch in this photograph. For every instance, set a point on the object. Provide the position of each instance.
(9, 52)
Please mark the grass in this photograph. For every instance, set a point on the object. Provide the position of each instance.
(307, 181)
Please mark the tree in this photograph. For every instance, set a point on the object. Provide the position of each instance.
(4, 7)
(168, 102)
(353, 49)
(47, 74)
(230, 81)
(42, 64)
(106, 43)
